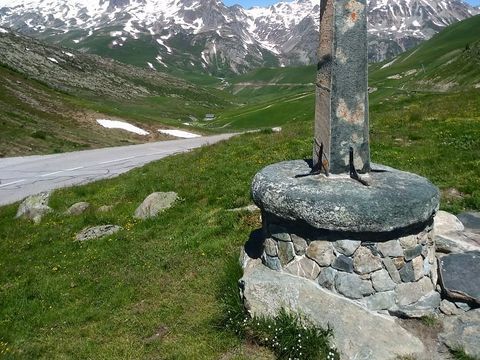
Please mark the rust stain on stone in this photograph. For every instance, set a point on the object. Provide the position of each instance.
(354, 16)
(356, 116)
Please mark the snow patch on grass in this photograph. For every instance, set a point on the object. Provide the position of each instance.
(115, 124)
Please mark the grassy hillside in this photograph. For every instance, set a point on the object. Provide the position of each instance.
(448, 61)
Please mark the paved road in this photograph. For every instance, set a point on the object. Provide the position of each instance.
(24, 176)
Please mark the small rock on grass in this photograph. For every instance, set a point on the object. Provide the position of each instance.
(78, 208)
(34, 207)
(96, 232)
(154, 204)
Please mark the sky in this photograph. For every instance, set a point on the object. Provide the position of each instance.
(249, 3)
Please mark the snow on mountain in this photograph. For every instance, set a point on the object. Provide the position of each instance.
(207, 35)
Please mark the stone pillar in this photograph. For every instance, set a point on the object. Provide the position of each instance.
(341, 113)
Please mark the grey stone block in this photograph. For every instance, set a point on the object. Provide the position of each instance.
(406, 272)
(326, 278)
(365, 262)
(286, 252)
(390, 248)
(392, 270)
(412, 253)
(380, 301)
(408, 293)
(321, 252)
(343, 263)
(270, 247)
(272, 262)
(352, 286)
(346, 247)
(299, 244)
(382, 281)
(303, 267)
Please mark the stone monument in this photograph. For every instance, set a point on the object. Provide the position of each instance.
(358, 230)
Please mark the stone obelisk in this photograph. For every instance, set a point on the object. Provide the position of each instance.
(341, 111)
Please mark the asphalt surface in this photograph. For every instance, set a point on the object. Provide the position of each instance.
(28, 175)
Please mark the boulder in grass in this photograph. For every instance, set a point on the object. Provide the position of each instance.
(155, 203)
(78, 208)
(34, 207)
(96, 232)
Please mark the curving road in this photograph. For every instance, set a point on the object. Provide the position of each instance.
(28, 175)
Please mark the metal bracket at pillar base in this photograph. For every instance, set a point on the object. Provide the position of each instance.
(321, 164)
(353, 172)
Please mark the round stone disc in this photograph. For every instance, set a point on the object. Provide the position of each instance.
(394, 200)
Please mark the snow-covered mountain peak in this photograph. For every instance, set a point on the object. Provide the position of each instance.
(208, 34)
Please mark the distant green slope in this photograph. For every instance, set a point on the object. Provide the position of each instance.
(448, 61)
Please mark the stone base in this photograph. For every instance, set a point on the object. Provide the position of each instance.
(397, 275)
(371, 244)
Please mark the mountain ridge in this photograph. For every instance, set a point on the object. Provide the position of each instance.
(217, 39)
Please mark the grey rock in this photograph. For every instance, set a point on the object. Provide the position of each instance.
(321, 252)
(279, 232)
(408, 242)
(272, 262)
(270, 247)
(445, 222)
(406, 272)
(382, 281)
(412, 253)
(380, 301)
(392, 270)
(390, 248)
(463, 332)
(459, 276)
(96, 232)
(352, 286)
(365, 262)
(155, 203)
(471, 221)
(343, 263)
(286, 252)
(327, 278)
(449, 308)
(409, 293)
(426, 305)
(303, 267)
(346, 247)
(417, 265)
(78, 208)
(266, 292)
(456, 242)
(34, 207)
(322, 202)
(299, 244)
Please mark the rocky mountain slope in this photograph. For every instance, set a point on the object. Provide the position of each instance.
(51, 97)
(448, 61)
(207, 35)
